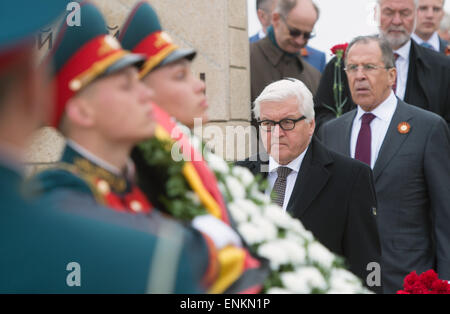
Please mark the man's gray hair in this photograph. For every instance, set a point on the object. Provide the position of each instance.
(283, 7)
(416, 2)
(386, 50)
(264, 5)
(284, 89)
(445, 23)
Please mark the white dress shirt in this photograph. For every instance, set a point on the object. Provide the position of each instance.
(402, 65)
(433, 41)
(291, 178)
(379, 126)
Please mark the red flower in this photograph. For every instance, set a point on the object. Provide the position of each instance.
(426, 283)
(410, 280)
(428, 277)
(440, 287)
(342, 47)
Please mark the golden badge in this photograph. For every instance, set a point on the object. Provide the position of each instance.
(404, 128)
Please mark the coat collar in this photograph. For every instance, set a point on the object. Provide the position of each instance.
(311, 179)
(274, 54)
(89, 169)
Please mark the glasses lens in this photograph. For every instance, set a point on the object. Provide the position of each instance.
(287, 124)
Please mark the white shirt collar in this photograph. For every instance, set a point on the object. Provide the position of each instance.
(261, 34)
(384, 111)
(403, 51)
(433, 41)
(294, 164)
(96, 160)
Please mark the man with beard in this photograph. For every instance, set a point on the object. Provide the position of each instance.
(423, 75)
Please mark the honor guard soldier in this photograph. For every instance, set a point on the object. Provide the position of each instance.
(103, 109)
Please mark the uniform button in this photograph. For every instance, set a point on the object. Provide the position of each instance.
(136, 206)
(103, 187)
(374, 211)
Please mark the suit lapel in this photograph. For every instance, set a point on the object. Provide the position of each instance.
(345, 140)
(393, 140)
(311, 179)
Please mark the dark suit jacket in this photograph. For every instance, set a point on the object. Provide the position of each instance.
(427, 85)
(334, 198)
(412, 180)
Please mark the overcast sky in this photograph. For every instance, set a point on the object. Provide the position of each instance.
(339, 22)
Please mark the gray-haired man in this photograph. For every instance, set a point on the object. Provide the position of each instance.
(332, 195)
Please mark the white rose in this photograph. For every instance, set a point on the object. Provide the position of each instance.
(313, 278)
(249, 207)
(260, 196)
(295, 251)
(217, 163)
(235, 188)
(278, 216)
(320, 254)
(267, 228)
(239, 215)
(344, 282)
(250, 233)
(275, 254)
(244, 175)
(294, 283)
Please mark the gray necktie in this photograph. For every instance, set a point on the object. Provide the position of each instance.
(279, 187)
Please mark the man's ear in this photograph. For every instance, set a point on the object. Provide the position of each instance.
(392, 76)
(275, 19)
(80, 112)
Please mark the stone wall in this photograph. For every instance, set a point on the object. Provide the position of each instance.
(217, 29)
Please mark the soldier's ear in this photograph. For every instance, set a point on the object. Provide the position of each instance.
(80, 112)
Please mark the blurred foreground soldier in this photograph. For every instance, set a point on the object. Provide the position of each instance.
(408, 149)
(103, 109)
(179, 95)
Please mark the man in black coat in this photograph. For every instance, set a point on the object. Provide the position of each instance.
(423, 75)
(332, 195)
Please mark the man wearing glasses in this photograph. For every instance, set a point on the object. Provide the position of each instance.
(423, 75)
(408, 149)
(332, 195)
(278, 55)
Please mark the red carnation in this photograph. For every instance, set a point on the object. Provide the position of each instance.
(428, 277)
(410, 280)
(440, 287)
(339, 49)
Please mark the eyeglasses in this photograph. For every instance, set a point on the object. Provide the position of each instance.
(366, 68)
(285, 124)
(295, 32)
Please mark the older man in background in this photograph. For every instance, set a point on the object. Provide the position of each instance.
(423, 75)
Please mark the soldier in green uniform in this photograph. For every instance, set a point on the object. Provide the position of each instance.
(71, 244)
